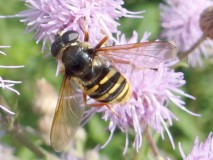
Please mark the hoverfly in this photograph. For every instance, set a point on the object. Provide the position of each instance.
(96, 72)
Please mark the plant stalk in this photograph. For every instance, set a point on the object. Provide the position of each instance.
(186, 53)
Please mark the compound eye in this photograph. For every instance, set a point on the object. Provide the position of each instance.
(55, 48)
(70, 37)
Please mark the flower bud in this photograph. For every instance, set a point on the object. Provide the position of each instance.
(206, 22)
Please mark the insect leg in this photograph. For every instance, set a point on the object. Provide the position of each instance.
(108, 106)
(85, 98)
(101, 42)
(113, 111)
(85, 30)
(86, 36)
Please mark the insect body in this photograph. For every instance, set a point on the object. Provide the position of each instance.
(97, 78)
(95, 72)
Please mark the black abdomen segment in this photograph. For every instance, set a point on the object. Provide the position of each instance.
(109, 87)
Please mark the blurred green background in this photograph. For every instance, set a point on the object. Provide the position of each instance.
(24, 51)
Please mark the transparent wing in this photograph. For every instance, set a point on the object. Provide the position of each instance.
(142, 55)
(68, 115)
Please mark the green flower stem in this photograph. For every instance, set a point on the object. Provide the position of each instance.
(19, 134)
(153, 145)
(17, 131)
(186, 53)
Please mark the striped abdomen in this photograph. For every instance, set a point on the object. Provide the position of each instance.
(109, 87)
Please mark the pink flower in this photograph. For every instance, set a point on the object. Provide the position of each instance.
(200, 151)
(181, 24)
(47, 17)
(8, 84)
(148, 105)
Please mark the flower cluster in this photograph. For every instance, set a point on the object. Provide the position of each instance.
(153, 86)
(200, 151)
(49, 17)
(152, 90)
(181, 23)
